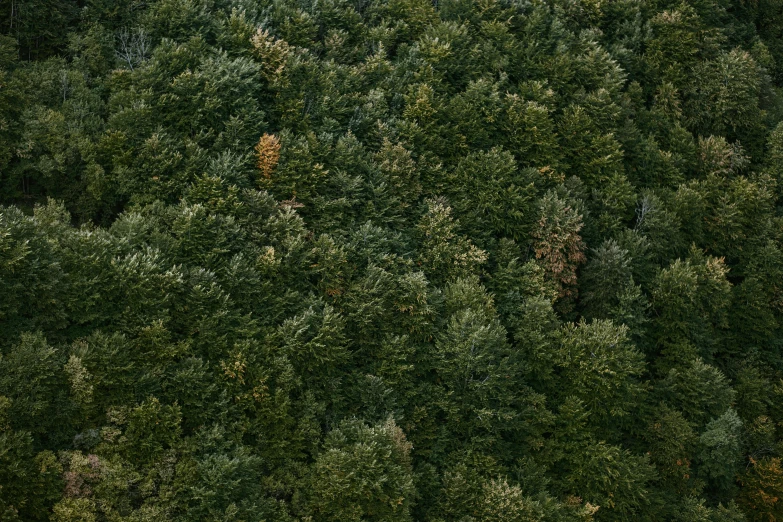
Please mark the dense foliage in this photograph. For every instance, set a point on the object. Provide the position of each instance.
(391, 260)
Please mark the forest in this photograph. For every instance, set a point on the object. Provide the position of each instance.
(391, 260)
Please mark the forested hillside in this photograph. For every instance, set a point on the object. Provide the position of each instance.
(391, 260)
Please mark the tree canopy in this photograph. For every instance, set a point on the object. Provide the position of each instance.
(391, 260)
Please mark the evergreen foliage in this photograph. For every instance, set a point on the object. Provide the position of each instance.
(391, 260)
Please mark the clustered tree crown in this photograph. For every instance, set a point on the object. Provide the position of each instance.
(391, 260)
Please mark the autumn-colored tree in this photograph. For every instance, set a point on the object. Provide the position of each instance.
(762, 490)
(558, 245)
(268, 154)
